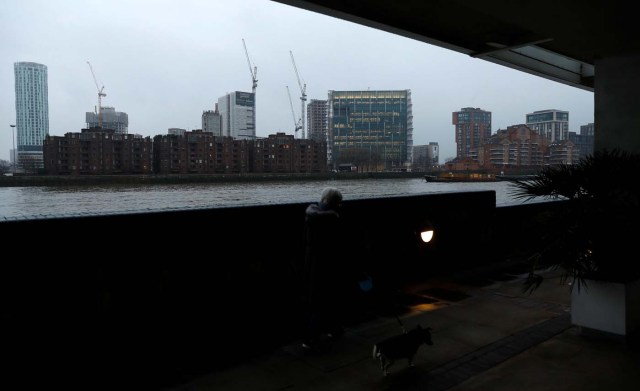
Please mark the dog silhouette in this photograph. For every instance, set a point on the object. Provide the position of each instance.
(400, 347)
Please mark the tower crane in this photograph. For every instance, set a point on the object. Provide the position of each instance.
(303, 93)
(296, 124)
(254, 80)
(100, 95)
(252, 70)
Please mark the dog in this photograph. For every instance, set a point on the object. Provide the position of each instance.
(401, 346)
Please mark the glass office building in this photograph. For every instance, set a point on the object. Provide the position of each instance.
(370, 130)
(32, 114)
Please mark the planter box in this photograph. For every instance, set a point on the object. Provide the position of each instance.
(610, 307)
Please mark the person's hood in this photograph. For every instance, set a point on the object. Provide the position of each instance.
(317, 209)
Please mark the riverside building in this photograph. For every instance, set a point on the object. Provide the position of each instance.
(515, 147)
(584, 140)
(111, 119)
(473, 127)
(97, 151)
(552, 124)
(211, 121)
(317, 120)
(237, 115)
(425, 157)
(372, 130)
(32, 114)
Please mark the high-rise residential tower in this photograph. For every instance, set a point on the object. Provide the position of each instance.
(473, 127)
(553, 124)
(372, 130)
(317, 120)
(236, 114)
(111, 119)
(32, 113)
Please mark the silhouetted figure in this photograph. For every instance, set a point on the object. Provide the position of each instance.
(401, 346)
(326, 271)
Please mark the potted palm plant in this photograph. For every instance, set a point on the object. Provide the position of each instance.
(592, 236)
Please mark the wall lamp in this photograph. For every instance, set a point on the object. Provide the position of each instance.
(426, 231)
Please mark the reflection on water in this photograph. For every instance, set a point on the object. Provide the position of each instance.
(55, 201)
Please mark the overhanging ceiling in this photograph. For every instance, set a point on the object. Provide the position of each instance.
(559, 40)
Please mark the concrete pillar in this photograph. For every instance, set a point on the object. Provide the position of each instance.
(617, 109)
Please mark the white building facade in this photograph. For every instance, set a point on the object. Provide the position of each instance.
(426, 157)
(32, 113)
(552, 124)
(237, 111)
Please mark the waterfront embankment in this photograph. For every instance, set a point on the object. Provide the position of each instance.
(94, 180)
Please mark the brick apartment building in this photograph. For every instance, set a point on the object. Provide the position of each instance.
(103, 151)
(282, 153)
(200, 152)
(516, 146)
(97, 151)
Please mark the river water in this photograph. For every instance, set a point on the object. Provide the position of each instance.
(42, 202)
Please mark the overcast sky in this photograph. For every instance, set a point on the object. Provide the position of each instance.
(164, 62)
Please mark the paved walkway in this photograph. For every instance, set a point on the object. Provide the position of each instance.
(487, 334)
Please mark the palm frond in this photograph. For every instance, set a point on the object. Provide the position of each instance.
(589, 236)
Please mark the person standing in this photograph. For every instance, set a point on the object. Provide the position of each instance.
(326, 269)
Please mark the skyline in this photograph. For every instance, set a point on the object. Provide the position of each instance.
(165, 63)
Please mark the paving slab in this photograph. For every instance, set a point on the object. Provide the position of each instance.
(492, 337)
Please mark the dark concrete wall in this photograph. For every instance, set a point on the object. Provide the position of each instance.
(156, 298)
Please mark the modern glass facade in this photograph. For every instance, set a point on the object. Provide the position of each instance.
(553, 124)
(32, 113)
(372, 130)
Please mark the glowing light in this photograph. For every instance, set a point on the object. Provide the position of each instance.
(426, 236)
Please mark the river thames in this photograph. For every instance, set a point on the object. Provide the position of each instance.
(51, 201)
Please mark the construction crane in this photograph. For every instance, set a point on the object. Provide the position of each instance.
(252, 70)
(254, 80)
(296, 123)
(100, 95)
(303, 94)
